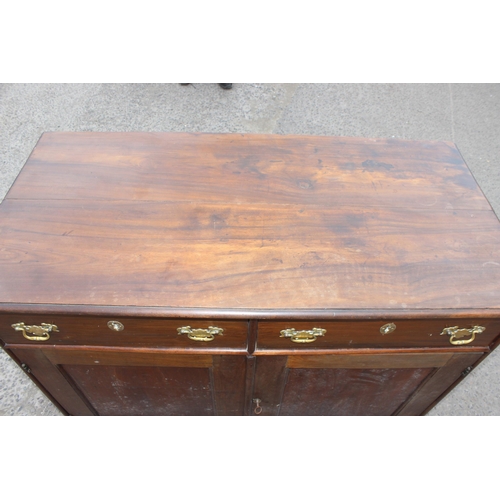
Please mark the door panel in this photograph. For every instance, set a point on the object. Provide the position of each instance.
(53, 380)
(439, 384)
(349, 391)
(145, 390)
(356, 383)
(133, 382)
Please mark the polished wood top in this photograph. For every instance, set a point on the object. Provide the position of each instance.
(256, 222)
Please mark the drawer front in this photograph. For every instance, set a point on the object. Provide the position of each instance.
(391, 334)
(123, 332)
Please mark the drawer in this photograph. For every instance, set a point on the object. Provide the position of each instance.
(124, 332)
(359, 334)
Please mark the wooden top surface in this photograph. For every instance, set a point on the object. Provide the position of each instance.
(258, 222)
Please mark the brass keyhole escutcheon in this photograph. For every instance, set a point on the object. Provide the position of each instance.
(201, 334)
(38, 333)
(116, 326)
(303, 336)
(457, 333)
(387, 328)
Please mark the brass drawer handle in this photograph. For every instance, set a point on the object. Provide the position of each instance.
(457, 333)
(201, 334)
(40, 333)
(303, 336)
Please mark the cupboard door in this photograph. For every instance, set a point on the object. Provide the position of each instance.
(103, 382)
(355, 384)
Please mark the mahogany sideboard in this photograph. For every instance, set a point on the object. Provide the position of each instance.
(234, 274)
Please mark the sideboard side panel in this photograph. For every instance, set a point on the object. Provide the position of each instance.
(54, 381)
(436, 385)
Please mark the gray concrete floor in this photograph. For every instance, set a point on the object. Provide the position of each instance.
(468, 114)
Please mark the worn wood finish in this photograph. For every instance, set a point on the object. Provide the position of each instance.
(302, 385)
(422, 401)
(245, 314)
(229, 379)
(145, 390)
(40, 386)
(349, 392)
(358, 334)
(93, 356)
(136, 350)
(138, 332)
(270, 379)
(249, 384)
(51, 377)
(355, 384)
(194, 255)
(131, 383)
(413, 360)
(253, 327)
(246, 168)
(253, 234)
(256, 222)
(378, 350)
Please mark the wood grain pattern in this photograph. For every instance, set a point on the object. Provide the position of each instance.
(254, 234)
(242, 168)
(229, 377)
(423, 400)
(247, 222)
(93, 357)
(138, 332)
(270, 379)
(359, 334)
(356, 383)
(349, 392)
(108, 382)
(129, 383)
(244, 314)
(370, 361)
(249, 384)
(145, 390)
